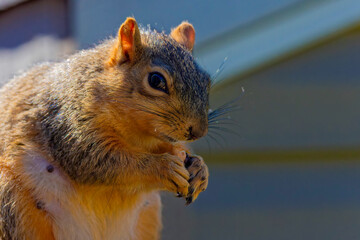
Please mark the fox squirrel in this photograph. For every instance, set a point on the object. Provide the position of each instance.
(87, 143)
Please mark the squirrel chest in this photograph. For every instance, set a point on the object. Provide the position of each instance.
(81, 212)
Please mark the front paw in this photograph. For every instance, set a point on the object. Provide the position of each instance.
(199, 175)
(175, 177)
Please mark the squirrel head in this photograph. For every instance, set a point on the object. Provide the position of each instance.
(153, 83)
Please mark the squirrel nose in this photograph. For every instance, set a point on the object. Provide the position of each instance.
(196, 132)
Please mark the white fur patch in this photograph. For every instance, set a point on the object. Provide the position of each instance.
(70, 218)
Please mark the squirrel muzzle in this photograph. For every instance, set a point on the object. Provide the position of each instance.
(196, 131)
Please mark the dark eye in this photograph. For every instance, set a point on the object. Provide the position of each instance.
(157, 81)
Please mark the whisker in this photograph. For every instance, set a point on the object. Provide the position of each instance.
(223, 129)
(215, 115)
(175, 129)
(224, 123)
(219, 135)
(221, 119)
(214, 139)
(174, 116)
(229, 106)
(155, 112)
(217, 73)
(143, 108)
(224, 110)
(208, 145)
(166, 119)
(177, 111)
(225, 105)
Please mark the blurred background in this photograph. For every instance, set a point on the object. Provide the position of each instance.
(284, 162)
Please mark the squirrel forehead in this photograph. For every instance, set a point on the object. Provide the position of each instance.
(166, 53)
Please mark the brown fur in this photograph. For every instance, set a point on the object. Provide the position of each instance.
(87, 143)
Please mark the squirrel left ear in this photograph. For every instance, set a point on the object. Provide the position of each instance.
(128, 43)
(184, 34)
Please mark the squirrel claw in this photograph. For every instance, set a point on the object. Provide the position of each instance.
(189, 200)
(188, 161)
(198, 180)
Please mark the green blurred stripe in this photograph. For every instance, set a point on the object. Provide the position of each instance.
(283, 156)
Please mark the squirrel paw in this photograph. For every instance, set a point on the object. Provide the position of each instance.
(176, 176)
(199, 175)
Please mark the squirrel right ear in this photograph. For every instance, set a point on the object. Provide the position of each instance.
(184, 34)
(128, 43)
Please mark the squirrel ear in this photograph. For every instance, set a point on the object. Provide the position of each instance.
(128, 43)
(184, 34)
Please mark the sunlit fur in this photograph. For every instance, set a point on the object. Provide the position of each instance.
(110, 140)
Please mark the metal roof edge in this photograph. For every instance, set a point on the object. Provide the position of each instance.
(278, 36)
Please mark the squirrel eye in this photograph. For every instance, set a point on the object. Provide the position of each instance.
(157, 81)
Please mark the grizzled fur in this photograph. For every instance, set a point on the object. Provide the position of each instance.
(67, 134)
(191, 82)
(105, 134)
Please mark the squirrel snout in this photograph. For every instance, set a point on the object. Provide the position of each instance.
(195, 132)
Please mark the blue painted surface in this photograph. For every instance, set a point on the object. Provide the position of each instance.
(93, 21)
(306, 102)
(282, 186)
(40, 18)
(313, 201)
(280, 36)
